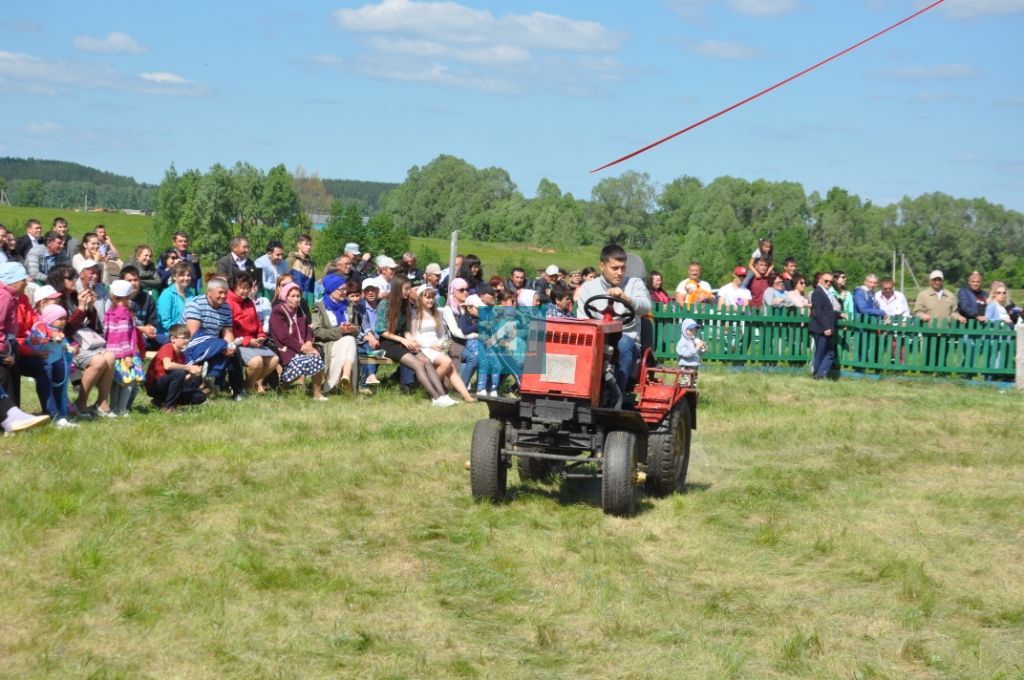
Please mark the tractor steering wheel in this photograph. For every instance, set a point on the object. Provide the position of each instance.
(592, 312)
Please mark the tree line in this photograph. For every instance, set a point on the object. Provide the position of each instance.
(717, 223)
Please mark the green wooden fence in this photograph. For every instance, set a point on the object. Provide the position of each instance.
(780, 336)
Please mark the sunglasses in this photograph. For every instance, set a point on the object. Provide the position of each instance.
(460, 290)
(1000, 292)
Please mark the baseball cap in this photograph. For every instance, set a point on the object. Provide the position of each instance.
(369, 283)
(352, 248)
(552, 270)
(432, 268)
(120, 288)
(86, 264)
(385, 261)
(739, 271)
(44, 293)
(690, 323)
(936, 274)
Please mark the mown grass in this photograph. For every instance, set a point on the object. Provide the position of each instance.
(127, 231)
(830, 530)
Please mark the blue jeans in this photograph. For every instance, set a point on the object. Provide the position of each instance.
(469, 361)
(488, 376)
(629, 354)
(51, 384)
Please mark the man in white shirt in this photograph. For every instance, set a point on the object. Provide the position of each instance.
(890, 300)
(694, 272)
(614, 283)
(733, 294)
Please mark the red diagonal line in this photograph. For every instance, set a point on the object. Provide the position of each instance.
(768, 89)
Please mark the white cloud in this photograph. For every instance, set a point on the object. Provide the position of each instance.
(938, 72)
(452, 23)
(28, 74)
(971, 9)
(689, 9)
(725, 50)
(114, 43)
(762, 8)
(446, 43)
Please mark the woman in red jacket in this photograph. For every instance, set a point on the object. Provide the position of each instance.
(293, 337)
(258, 360)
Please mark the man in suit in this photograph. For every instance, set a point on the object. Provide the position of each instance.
(237, 260)
(824, 326)
(32, 237)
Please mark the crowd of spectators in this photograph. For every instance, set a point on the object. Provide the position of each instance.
(74, 315)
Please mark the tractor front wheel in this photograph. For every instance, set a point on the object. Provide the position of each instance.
(488, 473)
(617, 473)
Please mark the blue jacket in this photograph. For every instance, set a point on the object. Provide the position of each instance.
(865, 303)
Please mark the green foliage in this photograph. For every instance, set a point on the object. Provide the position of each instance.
(620, 210)
(345, 225)
(368, 195)
(384, 236)
(214, 207)
(29, 193)
(59, 171)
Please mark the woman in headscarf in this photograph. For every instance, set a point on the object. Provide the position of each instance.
(294, 340)
(335, 328)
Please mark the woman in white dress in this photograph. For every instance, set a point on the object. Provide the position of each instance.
(428, 331)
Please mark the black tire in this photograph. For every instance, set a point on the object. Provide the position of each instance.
(668, 453)
(533, 469)
(617, 473)
(488, 474)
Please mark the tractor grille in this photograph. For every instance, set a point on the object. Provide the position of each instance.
(567, 338)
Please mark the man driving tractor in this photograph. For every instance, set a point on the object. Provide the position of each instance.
(613, 282)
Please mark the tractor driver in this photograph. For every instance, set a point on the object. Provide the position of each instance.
(614, 283)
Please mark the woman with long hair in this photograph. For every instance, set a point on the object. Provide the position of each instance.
(472, 272)
(393, 324)
(655, 287)
(428, 332)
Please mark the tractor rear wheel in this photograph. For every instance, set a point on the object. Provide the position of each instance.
(488, 473)
(668, 453)
(617, 474)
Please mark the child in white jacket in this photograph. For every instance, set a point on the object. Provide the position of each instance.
(690, 346)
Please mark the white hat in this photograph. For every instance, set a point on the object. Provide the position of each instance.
(432, 268)
(385, 261)
(121, 288)
(370, 283)
(424, 288)
(552, 270)
(352, 248)
(475, 300)
(936, 274)
(44, 293)
(86, 264)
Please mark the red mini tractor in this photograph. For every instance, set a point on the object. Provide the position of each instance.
(572, 420)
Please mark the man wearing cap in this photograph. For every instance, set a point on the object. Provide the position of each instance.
(45, 256)
(693, 274)
(936, 302)
(237, 260)
(272, 265)
(360, 260)
(432, 275)
(614, 283)
(733, 294)
(543, 283)
(385, 273)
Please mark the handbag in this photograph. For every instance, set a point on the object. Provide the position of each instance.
(89, 340)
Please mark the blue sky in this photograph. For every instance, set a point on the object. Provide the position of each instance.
(367, 89)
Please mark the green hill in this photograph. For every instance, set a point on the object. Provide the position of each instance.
(12, 169)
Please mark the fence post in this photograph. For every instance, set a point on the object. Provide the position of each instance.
(1020, 356)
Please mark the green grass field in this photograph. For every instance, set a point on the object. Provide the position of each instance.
(850, 529)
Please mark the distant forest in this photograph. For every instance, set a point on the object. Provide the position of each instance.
(62, 184)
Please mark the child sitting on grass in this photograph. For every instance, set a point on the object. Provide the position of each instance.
(171, 382)
(690, 346)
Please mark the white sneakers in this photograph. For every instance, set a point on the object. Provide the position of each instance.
(18, 421)
(443, 401)
(62, 423)
(481, 393)
(494, 393)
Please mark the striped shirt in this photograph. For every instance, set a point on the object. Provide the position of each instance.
(211, 320)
